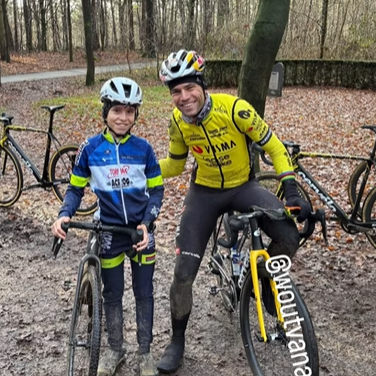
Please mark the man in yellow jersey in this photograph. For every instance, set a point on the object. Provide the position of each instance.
(216, 129)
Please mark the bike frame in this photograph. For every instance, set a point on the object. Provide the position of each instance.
(42, 178)
(325, 197)
(252, 255)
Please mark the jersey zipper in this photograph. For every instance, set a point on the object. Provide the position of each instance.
(121, 186)
(214, 154)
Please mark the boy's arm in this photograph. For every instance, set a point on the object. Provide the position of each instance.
(155, 188)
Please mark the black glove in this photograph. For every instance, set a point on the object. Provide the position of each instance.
(293, 198)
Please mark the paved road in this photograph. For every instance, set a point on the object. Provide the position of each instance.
(72, 72)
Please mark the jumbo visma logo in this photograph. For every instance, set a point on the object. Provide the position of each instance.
(224, 146)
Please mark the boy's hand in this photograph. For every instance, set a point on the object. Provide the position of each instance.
(56, 227)
(140, 246)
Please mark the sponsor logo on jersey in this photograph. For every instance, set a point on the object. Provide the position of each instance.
(244, 114)
(118, 171)
(79, 151)
(197, 149)
(220, 109)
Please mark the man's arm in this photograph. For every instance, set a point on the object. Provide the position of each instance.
(174, 164)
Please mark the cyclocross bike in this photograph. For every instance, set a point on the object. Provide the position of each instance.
(56, 169)
(362, 217)
(86, 323)
(274, 333)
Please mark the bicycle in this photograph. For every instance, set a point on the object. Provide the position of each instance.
(266, 332)
(85, 336)
(56, 169)
(362, 217)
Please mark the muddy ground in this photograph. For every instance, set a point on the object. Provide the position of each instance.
(337, 283)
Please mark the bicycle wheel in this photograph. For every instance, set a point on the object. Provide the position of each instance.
(85, 330)
(60, 170)
(220, 265)
(270, 181)
(11, 177)
(369, 215)
(287, 349)
(356, 180)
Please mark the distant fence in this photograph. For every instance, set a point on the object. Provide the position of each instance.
(351, 74)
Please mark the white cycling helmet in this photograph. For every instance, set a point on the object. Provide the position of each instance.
(182, 64)
(122, 90)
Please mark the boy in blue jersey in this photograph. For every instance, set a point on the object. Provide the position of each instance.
(124, 173)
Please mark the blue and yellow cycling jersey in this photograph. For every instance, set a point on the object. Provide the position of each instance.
(219, 144)
(126, 178)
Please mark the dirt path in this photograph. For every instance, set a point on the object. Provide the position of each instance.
(35, 309)
(338, 285)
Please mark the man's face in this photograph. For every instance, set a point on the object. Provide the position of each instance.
(189, 98)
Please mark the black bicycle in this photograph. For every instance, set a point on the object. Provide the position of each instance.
(86, 323)
(362, 217)
(56, 169)
(278, 335)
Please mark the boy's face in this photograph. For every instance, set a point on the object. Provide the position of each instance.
(189, 98)
(120, 118)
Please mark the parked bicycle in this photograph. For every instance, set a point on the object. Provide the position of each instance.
(86, 323)
(362, 217)
(268, 331)
(56, 169)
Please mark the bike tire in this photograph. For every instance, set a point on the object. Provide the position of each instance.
(270, 181)
(273, 357)
(85, 340)
(60, 170)
(228, 289)
(355, 181)
(11, 177)
(369, 215)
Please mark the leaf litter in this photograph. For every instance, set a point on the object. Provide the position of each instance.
(337, 282)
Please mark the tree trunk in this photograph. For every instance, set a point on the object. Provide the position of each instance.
(261, 51)
(87, 15)
(43, 25)
(149, 30)
(70, 37)
(3, 37)
(28, 25)
(15, 21)
(131, 40)
(95, 37)
(324, 25)
(190, 43)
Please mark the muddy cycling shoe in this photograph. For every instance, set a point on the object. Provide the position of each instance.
(171, 357)
(268, 297)
(109, 361)
(147, 365)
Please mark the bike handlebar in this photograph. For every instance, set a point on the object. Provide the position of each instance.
(238, 222)
(136, 235)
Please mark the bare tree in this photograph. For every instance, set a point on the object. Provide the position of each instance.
(324, 26)
(28, 25)
(88, 27)
(3, 38)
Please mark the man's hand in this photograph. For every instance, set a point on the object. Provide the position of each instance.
(56, 227)
(294, 199)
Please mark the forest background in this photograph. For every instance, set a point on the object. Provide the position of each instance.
(322, 29)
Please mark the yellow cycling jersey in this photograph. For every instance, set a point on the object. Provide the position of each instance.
(219, 145)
